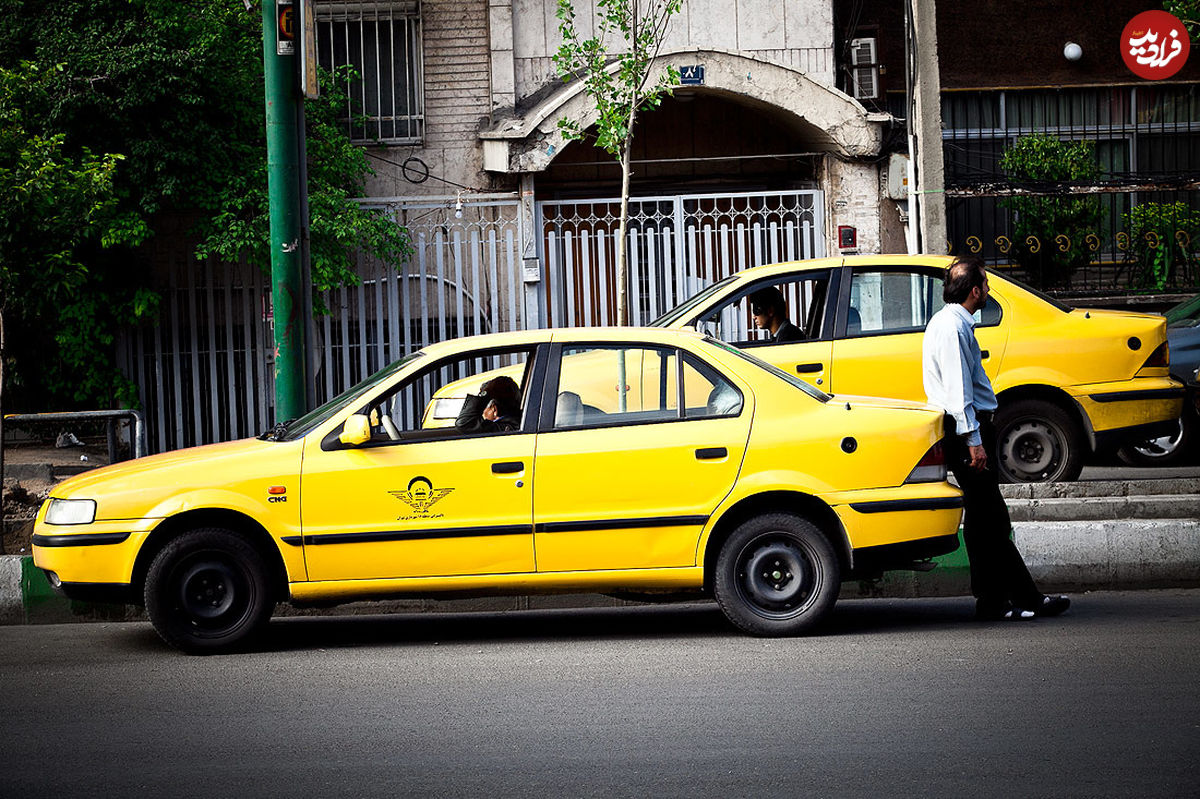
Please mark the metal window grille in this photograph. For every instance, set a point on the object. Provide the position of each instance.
(385, 99)
(1134, 225)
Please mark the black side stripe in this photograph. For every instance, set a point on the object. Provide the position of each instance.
(81, 540)
(891, 505)
(514, 529)
(410, 535)
(1127, 396)
(620, 524)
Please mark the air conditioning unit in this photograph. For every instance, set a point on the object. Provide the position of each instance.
(864, 69)
(862, 53)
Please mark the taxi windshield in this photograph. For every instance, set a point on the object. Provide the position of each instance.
(313, 419)
(690, 305)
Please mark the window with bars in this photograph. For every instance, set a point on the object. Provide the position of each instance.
(382, 41)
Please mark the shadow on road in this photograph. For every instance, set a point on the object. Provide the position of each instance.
(691, 620)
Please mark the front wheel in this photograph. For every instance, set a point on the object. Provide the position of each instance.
(1037, 442)
(777, 574)
(207, 591)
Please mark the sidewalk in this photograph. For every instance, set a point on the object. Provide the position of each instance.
(1075, 537)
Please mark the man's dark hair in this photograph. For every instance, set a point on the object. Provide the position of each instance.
(771, 299)
(504, 391)
(964, 274)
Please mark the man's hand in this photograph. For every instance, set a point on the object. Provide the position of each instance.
(978, 460)
(491, 412)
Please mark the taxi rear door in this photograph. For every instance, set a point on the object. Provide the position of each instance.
(632, 485)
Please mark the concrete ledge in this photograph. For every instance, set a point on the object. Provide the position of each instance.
(1134, 553)
(1102, 488)
(1103, 508)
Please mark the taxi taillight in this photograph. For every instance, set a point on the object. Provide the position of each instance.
(1160, 357)
(931, 468)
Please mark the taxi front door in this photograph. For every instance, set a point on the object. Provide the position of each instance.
(419, 508)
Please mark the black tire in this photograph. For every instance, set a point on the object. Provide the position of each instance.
(777, 574)
(207, 592)
(1165, 450)
(1038, 442)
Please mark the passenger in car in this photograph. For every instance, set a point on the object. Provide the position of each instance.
(495, 409)
(770, 313)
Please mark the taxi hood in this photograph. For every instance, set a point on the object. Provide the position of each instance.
(181, 468)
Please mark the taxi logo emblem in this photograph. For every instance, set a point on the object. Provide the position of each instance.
(421, 496)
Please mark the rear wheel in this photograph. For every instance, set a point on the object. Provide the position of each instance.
(207, 591)
(1037, 442)
(777, 574)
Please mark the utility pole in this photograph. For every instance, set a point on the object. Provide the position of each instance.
(281, 73)
(927, 202)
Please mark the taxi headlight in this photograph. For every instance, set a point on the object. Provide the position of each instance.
(71, 511)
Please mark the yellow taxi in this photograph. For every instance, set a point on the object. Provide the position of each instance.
(1069, 381)
(703, 469)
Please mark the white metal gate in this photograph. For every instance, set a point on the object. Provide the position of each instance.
(205, 372)
(677, 245)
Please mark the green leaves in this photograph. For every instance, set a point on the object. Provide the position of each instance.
(1164, 240)
(124, 120)
(1039, 162)
(614, 66)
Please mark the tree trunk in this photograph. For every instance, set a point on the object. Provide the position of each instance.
(622, 226)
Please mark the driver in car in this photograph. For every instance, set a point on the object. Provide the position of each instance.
(770, 314)
(495, 409)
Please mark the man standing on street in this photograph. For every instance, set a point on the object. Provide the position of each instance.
(955, 380)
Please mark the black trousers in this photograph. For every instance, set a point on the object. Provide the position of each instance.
(998, 572)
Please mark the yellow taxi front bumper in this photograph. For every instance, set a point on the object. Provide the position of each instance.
(102, 552)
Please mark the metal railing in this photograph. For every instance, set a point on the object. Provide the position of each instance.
(137, 441)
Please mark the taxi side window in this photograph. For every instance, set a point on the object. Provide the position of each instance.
(898, 302)
(601, 385)
(630, 385)
(433, 400)
(707, 393)
(804, 301)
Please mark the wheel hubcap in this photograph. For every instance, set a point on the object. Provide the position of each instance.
(1031, 450)
(776, 576)
(1163, 445)
(208, 589)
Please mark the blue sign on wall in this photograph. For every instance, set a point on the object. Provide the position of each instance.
(692, 76)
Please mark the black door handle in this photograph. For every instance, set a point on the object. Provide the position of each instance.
(711, 453)
(805, 368)
(983, 354)
(507, 467)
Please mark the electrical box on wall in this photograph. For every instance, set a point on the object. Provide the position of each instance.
(897, 177)
(847, 237)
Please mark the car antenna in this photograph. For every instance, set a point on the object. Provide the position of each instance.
(847, 406)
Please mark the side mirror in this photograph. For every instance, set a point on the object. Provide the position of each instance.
(356, 430)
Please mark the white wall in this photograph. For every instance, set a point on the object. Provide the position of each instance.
(795, 34)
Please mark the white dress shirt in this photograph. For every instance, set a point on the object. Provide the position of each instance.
(952, 368)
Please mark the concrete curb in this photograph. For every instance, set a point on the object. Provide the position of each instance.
(1063, 555)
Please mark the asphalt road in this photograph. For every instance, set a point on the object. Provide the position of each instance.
(895, 698)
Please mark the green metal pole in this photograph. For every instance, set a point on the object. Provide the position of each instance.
(283, 184)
